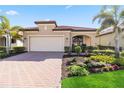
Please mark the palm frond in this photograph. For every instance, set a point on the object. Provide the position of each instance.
(101, 16)
(15, 28)
(5, 22)
(15, 35)
(121, 15)
(2, 32)
(106, 23)
(115, 8)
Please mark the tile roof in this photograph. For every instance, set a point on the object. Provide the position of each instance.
(46, 22)
(73, 28)
(109, 30)
(30, 29)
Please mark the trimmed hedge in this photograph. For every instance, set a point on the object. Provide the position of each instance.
(18, 49)
(104, 52)
(120, 61)
(107, 47)
(67, 49)
(122, 53)
(3, 54)
(2, 48)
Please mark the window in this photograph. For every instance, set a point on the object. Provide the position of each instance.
(13, 40)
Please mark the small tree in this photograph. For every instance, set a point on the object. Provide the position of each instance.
(78, 50)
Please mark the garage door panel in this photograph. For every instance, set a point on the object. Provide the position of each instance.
(46, 43)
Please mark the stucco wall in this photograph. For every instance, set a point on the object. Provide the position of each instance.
(87, 40)
(108, 40)
(46, 27)
(122, 39)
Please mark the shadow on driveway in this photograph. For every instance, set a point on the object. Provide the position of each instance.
(35, 56)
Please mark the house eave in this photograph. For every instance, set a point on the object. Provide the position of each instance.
(104, 34)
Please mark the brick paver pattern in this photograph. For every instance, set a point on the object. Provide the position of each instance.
(31, 70)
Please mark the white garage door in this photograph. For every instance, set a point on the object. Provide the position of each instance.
(46, 43)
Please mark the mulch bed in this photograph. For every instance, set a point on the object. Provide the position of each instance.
(64, 61)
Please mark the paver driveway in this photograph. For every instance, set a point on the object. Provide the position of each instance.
(34, 69)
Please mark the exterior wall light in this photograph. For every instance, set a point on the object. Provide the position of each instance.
(66, 38)
(25, 38)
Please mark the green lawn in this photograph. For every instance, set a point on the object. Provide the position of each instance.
(113, 79)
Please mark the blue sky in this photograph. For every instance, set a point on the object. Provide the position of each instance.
(63, 14)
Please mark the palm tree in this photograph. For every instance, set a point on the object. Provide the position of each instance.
(111, 16)
(10, 32)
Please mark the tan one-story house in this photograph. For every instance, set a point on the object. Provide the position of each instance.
(48, 36)
(106, 37)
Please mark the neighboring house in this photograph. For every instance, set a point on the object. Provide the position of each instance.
(14, 42)
(106, 38)
(48, 36)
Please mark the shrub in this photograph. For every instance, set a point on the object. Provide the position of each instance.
(103, 58)
(77, 71)
(67, 49)
(122, 53)
(104, 52)
(109, 52)
(3, 54)
(96, 64)
(110, 68)
(83, 47)
(81, 64)
(107, 47)
(78, 50)
(71, 62)
(96, 70)
(73, 48)
(2, 48)
(18, 49)
(106, 68)
(87, 60)
(90, 48)
(115, 67)
(119, 61)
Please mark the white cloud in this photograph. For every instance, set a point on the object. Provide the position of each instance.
(11, 12)
(69, 6)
